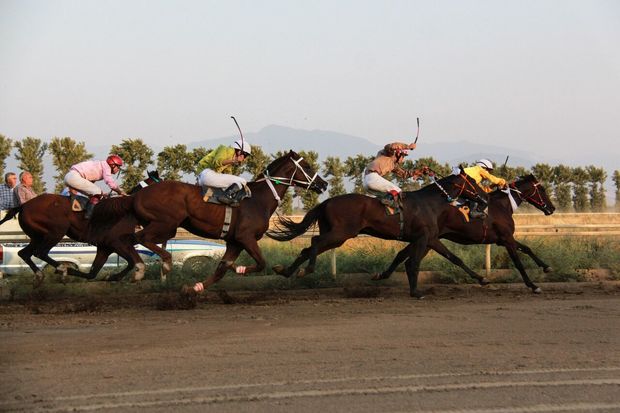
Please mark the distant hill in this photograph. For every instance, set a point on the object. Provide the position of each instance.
(274, 138)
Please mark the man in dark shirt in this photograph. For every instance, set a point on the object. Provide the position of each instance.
(8, 199)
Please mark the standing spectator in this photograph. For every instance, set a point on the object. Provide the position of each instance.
(7, 194)
(24, 191)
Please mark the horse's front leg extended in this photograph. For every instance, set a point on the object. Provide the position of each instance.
(527, 250)
(441, 249)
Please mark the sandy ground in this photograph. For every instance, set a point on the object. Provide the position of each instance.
(461, 349)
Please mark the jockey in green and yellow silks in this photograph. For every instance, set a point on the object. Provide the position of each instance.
(215, 168)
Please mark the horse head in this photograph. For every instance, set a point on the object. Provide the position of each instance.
(151, 178)
(529, 189)
(293, 170)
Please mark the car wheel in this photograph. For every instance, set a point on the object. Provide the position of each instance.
(196, 266)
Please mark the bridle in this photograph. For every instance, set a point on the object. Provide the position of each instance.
(538, 201)
(291, 181)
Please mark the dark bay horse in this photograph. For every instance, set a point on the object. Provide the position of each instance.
(48, 218)
(343, 217)
(498, 228)
(162, 208)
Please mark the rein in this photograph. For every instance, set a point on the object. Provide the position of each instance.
(462, 188)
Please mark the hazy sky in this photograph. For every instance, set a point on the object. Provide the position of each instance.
(538, 75)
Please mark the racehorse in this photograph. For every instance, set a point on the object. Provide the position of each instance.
(498, 228)
(47, 218)
(162, 208)
(345, 216)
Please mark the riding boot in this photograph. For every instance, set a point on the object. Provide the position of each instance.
(474, 211)
(230, 195)
(94, 200)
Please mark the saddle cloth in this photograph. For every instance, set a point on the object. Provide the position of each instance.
(391, 207)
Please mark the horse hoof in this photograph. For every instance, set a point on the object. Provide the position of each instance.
(537, 290)
(278, 269)
(484, 281)
(301, 273)
(38, 279)
(416, 294)
(166, 268)
(139, 275)
(547, 269)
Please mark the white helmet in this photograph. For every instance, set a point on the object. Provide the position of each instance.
(485, 163)
(243, 146)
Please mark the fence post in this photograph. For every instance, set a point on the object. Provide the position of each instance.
(334, 262)
(487, 261)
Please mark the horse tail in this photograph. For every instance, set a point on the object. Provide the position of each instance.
(286, 229)
(11, 214)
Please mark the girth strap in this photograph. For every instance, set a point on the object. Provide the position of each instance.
(227, 220)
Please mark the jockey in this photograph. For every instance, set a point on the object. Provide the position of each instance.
(82, 176)
(215, 166)
(480, 172)
(389, 159)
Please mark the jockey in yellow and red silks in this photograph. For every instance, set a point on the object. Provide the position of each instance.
(481, 172)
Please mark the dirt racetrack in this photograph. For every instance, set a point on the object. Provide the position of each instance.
(461, 349)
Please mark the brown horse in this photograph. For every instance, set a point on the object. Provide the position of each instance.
(162, 208)
(345, 216)
(48, 218)
(498, 228)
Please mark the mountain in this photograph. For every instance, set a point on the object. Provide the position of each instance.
(275, 138)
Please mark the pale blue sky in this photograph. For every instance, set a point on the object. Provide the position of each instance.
(537, 75)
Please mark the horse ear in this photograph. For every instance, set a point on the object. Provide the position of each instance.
(461, 169)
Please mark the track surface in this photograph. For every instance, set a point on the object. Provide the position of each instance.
(461, 349)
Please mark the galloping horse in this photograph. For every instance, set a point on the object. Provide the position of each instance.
(47, 218)
(498, 228)
(162, 208)
(345, 216)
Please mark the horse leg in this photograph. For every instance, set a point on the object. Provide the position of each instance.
(166, 258)
(527, 250)
(100, 258)
(251, 246)
(441, 249)
(418, 250)
(512, 251)
(26, 255)
(398, 259)
(233, 249)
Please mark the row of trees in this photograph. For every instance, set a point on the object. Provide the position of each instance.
(577, 189)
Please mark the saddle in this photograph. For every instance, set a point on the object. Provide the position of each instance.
(211, 194)
(78, 202)
(391, 207)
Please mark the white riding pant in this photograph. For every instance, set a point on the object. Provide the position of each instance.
(376, 182)
(209, 177)
(73, 179)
